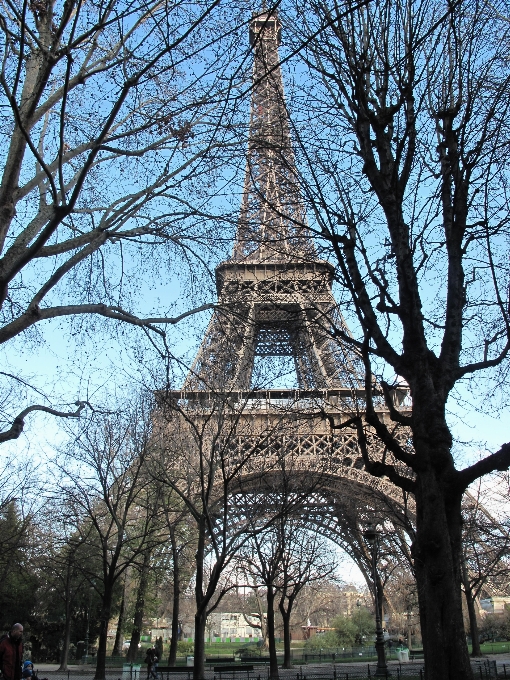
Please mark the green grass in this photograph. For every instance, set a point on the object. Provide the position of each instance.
(494, 647)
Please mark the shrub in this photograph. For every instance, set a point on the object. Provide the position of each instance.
(184, 648)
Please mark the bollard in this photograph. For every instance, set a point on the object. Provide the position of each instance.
(504, 670)
(369, 675)
(421, 674)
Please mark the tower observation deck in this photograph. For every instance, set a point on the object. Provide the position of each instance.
(275, 303)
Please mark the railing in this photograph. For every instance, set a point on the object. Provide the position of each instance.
(482, 670)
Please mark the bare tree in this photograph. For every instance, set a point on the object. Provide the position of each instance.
(485, 550)
(407, 177)
(59, 565)
(207, 451)
(306, 558)
(111, 502)
(182, 540)
(264, 560)
(112, 125)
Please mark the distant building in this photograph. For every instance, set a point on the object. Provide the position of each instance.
(233, 626)
(495, 605)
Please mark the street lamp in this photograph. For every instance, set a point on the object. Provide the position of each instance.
(371, 536)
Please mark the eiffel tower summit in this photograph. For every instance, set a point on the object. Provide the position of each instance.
(275, 288)
(270, 348)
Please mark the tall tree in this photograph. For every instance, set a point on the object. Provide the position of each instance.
(407, 177)
(111, 501)
(111, 126)
(485, 549)
(202, 450)
(141, 593)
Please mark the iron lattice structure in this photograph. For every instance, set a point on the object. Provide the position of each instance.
(275, 301)
(274, 293)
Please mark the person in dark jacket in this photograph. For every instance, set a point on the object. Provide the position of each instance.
(11, 653)
(28, 671)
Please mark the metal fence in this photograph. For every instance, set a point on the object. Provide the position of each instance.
(341, 672)
(483, 670)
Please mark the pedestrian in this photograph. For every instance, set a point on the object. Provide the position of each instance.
(28, 671)
(150, 660)
(11, 653)
(155, 660)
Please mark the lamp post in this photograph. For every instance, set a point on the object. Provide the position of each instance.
(371, 536)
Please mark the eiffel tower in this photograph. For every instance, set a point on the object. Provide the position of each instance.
(275, 303)
(274, 293)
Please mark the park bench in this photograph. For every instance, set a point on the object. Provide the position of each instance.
(231, 670)
(175, 670)
(255, 659)
(220, 659)
(415, 654)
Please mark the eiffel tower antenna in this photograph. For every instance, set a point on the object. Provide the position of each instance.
(274, 293)
(272, 223)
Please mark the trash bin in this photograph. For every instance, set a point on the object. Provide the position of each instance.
(403, 655)
(190, 661)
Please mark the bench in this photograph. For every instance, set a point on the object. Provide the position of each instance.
(174, 670)
(221, 670)
(415, 654)
(255, 659)
(220, 659)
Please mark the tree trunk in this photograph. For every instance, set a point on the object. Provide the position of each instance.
(287, 661)
(199, 650)
(263, 625)
(436, 552)
(117, 647)
(470, 601)
(409, 629)
(67, 638)
(139, 608)
(103, 632)
(172, 656)
(201, 604)
(273, 659)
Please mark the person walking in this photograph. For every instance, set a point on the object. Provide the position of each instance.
(150, 660)
(11, 653)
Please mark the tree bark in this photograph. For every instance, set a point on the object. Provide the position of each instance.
(287, 661)
(199, 650)
(273, 659)
(172, 656)
(117, 647)
(263, 625)
(436, 556)
(470, 601)
(201, 604)
(139, 608)
(103, 632)
(67, 638)
(286, 613)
